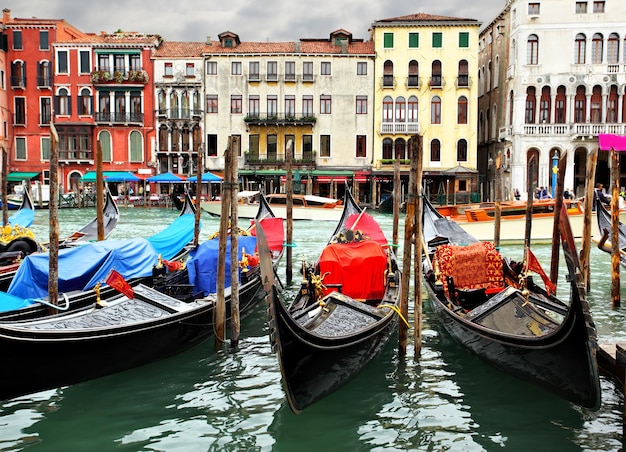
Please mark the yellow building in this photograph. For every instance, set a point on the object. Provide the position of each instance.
(425, 84)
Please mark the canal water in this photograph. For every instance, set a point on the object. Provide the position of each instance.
(232, 400)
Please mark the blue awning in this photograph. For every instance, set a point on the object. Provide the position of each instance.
(111, 176)
(206, 177)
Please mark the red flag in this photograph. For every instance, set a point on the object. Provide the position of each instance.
(534, 265)
(117, 281)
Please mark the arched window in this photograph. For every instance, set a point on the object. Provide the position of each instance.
(435, 151)
(400, 109)
(387, 148)
(597, 44)
(529, 115)
(162, 102)
(463, 75)
(532, 50)
(435, 110)
(611, 106)
(511, 105)
(163, 135)
(388, 74)
(136, 146)
(43, 74)
(435, 79)
(185, 110)
(580, 49)
(105, 145)
(560, 107)
(400, 149)
(544, 105)
(413, 81)
(413, 110)
(580, 104)
(461, 150)
(387, 109)
(63, 104)
(173, 105)
(461, 117)
(496, 71)
(612, 49)
(85, 102)
(596, 105)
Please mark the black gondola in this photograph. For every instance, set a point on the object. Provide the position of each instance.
(495, 310)
(344, 313)
(138, 326)
(605, 227)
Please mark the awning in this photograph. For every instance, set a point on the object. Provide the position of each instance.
(206, 177)
(19, 176)
(111, 176)
(328, 179)
(165, 178)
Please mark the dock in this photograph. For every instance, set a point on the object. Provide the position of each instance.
(612, 362)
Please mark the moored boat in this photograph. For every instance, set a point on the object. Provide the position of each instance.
(492, 306)
(343, 315)
(605, 222)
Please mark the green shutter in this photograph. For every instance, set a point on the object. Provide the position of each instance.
(105, 145)
(464, 39)
(388, 40)
(437, 40)
(135, 146)
(45, 148)
(414, 40)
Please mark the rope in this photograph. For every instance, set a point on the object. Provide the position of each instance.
(292, 245)
(395, 309)
(54, 306)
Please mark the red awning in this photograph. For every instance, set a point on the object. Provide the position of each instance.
(283, 179)
(328, 179)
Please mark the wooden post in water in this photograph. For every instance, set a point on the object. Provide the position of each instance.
(498, 204)
(198, 212)
(530, 188)
(99, 192)
(396, 198)
(558, 203)
(235, 320)
(220, 304)
(416, 189)
(5, 196)
(53, 204)
(409, 231)
(585, 249)
(615, 249)
(289, 207)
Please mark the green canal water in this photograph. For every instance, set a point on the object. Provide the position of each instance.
(232, 400)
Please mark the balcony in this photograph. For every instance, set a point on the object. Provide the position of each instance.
(73, 155)
(119, 118)
(574, 131)
(281, 119)
(463, 81)
(44, 82)
(436, 81)
(274, 158)
(120, 76)
(17, 81)
(405, 128)
(388, 81)
(413, 81)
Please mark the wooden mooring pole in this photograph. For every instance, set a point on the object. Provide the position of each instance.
(498, 204)
(99, 192)
(5, 186)
(615, 245)
(53, 207)
(585, 249)
(289, 207)
(220, 303)
(558, 203)
(235, 319)
(396, 199)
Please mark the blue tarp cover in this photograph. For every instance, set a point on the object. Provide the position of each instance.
(23, 217)
(202, 265)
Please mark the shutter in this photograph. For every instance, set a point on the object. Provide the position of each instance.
(437, 40)
(464, 39)
(414, 40)
(69, 105)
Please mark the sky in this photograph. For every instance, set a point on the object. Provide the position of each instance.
(252, 20)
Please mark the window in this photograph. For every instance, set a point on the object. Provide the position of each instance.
(253, 70)
(413, 80)
(598, 7)
(135, 62)
(307, 147)
(361, 68)
(435, 110)
(324, 145)
(400, 109)
(211, 145)
(437, 40)
(529, 115)
(44, 78)
(560, 105)
(388, 74)
(103, 62)
(20, 148)
(463, 76)
(387, 109)
(254, 104)
(307, 106)
(136, 146)
(464, 39)
(211, 68)
(435, 151)
(325, 68)
(461, 150)
(533, 9)
(235, 68)
(271, 147)
(611, 106)
(612, 50)
(85, 102)
(272, 105)
(361, 105)
(361, 148)
(63, 104)
(62, 66)
(436, 79)
(596, 105)
(235, 104)
(190, 70)
(136, 109)
(412, 109)
(388, 40)
(307, 71)
(17, 40)
(120, 106)
(461, 115)
(290, 106)
(20, 111)
(414, 40)
(532, 50)
(84, 61)
(104, 103)
(18, 74)
(387, 148)
(46, 146)
(290, 70)
(211, 103)
(544, 105)
(580, 48)
(44, 43)
(105, 146)
(581, 7)
(119, 63)
(272, 70)
(596, 48)
(168, 70)
(45, 110)
(325, 104)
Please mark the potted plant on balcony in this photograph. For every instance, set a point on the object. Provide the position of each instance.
(119, 76)
(100, 76)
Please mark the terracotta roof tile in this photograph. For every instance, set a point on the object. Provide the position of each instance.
(177, 49)
(422, 17)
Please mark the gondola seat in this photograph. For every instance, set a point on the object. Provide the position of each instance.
(469, 273)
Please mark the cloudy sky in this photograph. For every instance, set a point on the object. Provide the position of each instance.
(252, 20)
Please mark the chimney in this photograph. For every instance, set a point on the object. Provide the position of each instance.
(6, 15)
(208, 40)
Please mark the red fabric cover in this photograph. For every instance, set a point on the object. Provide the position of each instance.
(368, 226)
(358, 266)
(471, 267)
(274, 232)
